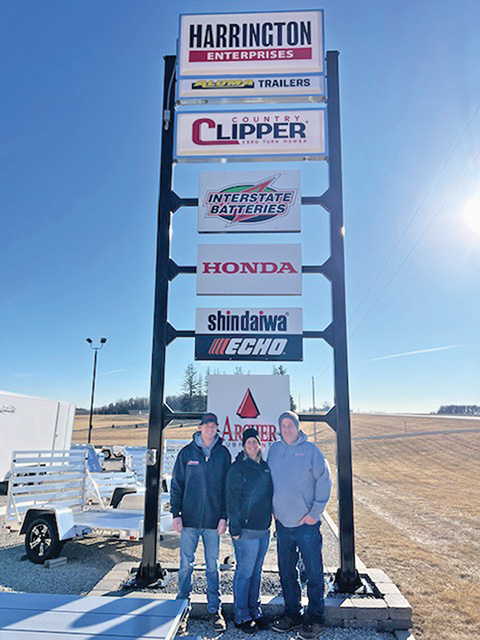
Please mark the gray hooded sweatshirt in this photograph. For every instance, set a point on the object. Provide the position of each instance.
(301, 480)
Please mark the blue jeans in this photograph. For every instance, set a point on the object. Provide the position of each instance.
(249, 555)
(189, 538)
(307, 540)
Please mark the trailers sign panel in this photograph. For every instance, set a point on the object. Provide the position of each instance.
(253, 43)
(247, 401)
(289, 134)
(249, 269)
(286, 88)
(249, 201)
(249, 334)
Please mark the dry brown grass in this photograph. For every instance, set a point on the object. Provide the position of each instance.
(417, 508)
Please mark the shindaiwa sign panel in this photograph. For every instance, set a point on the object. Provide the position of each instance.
(291, 134)
(248, 334)
(249, 201)
(253, 43)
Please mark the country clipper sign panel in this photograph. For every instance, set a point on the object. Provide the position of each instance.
(249, 269)
(249, 201)
(258, 43)
(249, 334)
(264, 134)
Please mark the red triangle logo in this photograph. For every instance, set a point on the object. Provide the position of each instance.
(248, 407)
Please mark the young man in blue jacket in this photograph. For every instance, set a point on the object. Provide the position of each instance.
(301, 488)
(198, 499)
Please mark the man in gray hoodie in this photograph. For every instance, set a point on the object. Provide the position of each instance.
(302, 484)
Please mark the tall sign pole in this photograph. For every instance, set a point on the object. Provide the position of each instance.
(149, 570)
(347, 578)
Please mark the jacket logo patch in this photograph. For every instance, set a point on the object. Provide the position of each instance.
(193, 462)
(298, 454)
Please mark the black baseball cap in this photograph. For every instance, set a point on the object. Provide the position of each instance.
(209, 417)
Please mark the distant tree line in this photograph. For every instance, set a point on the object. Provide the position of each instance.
(192, 396)
(460, 409)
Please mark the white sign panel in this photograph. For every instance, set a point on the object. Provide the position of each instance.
(249, 269)
(244, 134)
(241, 402)
(259, 43)
(234, 320)
(286, 88)
(247, 201)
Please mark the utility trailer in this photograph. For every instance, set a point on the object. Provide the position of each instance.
(49, 501)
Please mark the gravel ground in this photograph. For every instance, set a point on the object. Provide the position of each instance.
(270, 583)
(90, 559)
(202, 629)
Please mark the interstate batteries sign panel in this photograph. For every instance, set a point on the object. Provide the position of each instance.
(248, 334)
(249, 201)
(286, 88)
(237, 135)
(249, 269)
(248, 401)
(253, 43)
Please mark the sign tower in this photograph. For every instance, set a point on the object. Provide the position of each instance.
(242, 60)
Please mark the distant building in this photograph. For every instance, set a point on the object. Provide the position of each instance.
(138, 412)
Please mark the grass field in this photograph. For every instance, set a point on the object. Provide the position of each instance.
(417, 507)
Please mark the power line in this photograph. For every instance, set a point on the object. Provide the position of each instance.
(427, 193)
(416, 243)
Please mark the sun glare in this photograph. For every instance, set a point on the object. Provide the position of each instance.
(472, 213)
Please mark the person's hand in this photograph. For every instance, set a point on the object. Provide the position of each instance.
(308, 520)
(222, 526)
(177, 524)
(235, 537)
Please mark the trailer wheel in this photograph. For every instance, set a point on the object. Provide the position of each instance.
(41, 540)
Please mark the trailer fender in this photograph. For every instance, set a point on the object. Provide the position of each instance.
(63, 519)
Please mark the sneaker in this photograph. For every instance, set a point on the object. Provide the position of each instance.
(285, 624)
(182, 627)
(262, 623)
(311, 630)
(248, 626)
(217, 622)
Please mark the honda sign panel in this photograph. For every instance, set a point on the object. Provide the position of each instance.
(249, 269)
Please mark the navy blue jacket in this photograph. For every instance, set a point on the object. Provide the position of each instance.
(197, 491)
(249, 495)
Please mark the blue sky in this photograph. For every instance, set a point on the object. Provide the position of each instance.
(80, 130)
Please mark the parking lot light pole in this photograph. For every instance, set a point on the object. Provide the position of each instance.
(95, 352)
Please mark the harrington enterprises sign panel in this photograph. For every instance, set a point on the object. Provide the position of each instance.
(284, 88)
(249, 201)
(253, 43)
(248, 334)
(249, 269)
(247, 401)
(294, 134)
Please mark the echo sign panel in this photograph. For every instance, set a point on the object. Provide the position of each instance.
(247, 135)
(249, 201)
(248, 334)
(249, 269)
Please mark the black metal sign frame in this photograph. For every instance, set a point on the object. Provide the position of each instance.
(338, 418)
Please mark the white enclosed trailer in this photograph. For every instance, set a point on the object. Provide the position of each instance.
(27, 422)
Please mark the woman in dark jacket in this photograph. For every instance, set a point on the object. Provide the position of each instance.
(249, 509)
